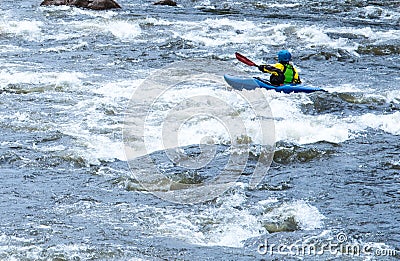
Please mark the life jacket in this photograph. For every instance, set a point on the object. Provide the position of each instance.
(281, 73)
(289, 72)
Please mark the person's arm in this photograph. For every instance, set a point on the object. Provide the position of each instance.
(296, 77)
(265, 68)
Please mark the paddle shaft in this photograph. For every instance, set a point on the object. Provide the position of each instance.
(245, 60)
(265, 68)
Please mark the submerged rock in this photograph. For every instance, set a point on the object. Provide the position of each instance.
(165, 2)
(288, 225)
(91, 4)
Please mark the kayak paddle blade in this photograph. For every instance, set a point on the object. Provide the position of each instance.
(244, 59)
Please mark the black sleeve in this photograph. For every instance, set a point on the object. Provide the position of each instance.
(268, 69)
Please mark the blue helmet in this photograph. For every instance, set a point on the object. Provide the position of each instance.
(284, 56)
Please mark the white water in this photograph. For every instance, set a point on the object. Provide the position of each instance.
(97, 114)
(291, 124)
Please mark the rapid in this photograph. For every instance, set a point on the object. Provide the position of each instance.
(69, 77)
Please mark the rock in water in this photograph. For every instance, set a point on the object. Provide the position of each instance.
(103, 5)
(91, 4)
(165, 2)
(79, 3)
(54, 2)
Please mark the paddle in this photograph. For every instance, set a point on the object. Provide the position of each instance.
(269, 68)
(264, 68)
(245, 60)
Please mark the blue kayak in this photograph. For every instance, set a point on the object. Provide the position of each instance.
(241, 83)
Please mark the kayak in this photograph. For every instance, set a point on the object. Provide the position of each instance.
(246, 83)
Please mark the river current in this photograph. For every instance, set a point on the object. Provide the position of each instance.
(86, 96)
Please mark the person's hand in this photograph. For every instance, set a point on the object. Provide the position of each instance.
(262, 68)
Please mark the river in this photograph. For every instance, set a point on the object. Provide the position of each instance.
(108, 117)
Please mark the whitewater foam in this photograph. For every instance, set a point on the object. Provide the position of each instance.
(28, 30)
(389, 123)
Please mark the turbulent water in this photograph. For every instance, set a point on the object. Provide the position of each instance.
(85, 96)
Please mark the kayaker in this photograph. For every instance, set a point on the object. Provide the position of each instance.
(282, 72)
